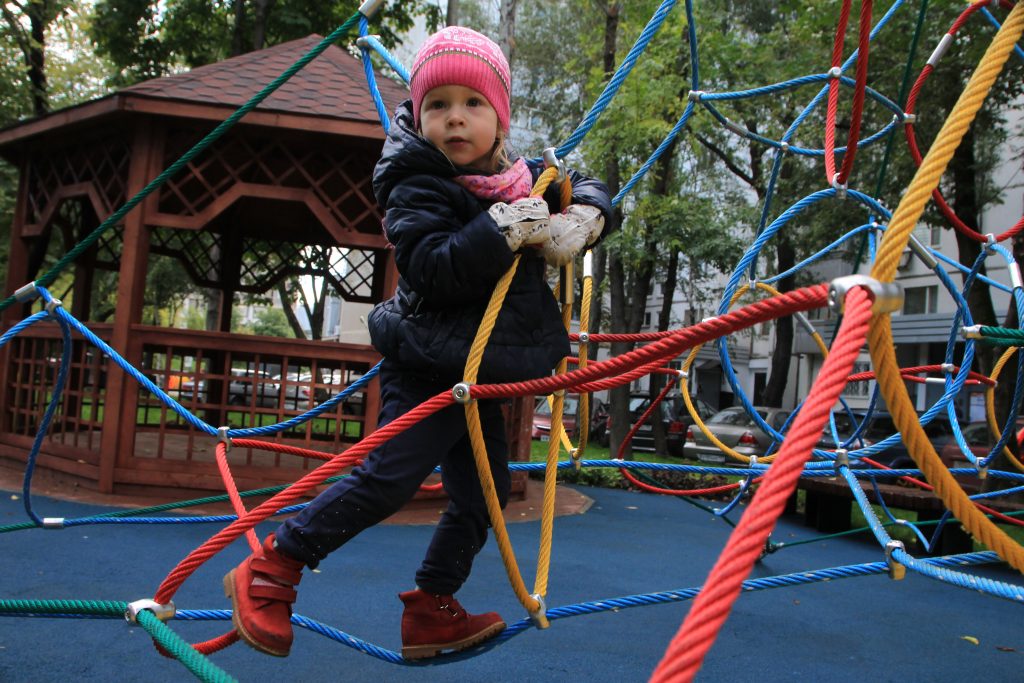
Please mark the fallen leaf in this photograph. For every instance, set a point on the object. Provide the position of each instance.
(1003, 648)
(971, 639)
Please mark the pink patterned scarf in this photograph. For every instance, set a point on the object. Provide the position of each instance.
(514, 183)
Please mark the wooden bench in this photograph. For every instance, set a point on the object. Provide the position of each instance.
(828, 503)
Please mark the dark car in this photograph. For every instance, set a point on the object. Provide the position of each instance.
(881, 426)
(673, 415)
(735, 428)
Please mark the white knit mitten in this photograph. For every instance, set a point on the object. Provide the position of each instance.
(570, 232)
(523, 222)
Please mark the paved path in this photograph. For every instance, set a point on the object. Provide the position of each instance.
(625, 543)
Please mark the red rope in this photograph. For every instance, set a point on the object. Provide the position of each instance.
(915, 153)
(859, 91)
(711, 607)
(833, 93)
(232, 489)
(973, 378)
(683, 492)
(284, 498)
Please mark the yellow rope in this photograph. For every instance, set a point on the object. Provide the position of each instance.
(476, 352)
(880, 340)
(685, 389)
(990, 407)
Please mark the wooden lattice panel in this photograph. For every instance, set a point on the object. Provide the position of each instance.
(101, 164)
(338, 175)
(32, 372)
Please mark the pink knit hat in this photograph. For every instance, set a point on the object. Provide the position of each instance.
(460, 56)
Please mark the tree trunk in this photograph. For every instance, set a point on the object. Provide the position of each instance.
(289, 312)
(452, 15)
(238, 34)
(507, 29)
(35, 59)
(259, 22)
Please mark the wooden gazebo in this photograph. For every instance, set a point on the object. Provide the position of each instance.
(285, 192)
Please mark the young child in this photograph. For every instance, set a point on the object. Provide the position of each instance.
(457, 211)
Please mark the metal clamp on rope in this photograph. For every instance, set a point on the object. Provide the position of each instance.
(887, 296)
(584, 337)
(577, 462)
(971, 332)
(222, 437)
(53, 522)
(948, 368)
(540, 616)
(161, 612)
(990, 240)
(1015, 279)
(683, 374)
(364, 41)
(551, 160)
(908, 118)
(839, 187)
(835, 72)
(588, 263)
(370, 7)
(806, 324)
(51, 307)
(695, 95)
(27, 293)
(923, 253)
(896, 570)
(982, 473)
(842, 460)
(784, 146)
(460, 392)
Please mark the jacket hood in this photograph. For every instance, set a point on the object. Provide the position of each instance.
(407, 153)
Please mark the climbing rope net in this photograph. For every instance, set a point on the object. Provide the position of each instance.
(866, 303)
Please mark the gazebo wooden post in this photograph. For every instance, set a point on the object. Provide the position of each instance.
(122, 391)
(17, 275)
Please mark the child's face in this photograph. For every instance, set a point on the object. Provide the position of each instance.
(462, 123)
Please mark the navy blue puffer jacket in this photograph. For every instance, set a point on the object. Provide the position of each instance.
(450, 255)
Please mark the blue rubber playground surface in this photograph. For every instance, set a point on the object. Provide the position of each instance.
(844, 629)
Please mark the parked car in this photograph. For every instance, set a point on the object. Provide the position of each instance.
(735, 428)
(979, 438)
(939, 432)
(296, 390)
(674, 416)
(542, 417)
(245, 386)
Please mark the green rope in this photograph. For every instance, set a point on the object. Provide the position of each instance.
(201, 667)
(51, 275)
(1001, 336)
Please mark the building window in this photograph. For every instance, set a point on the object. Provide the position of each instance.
(919, 300)
(935, 234)
(859, 388)
(647, 320)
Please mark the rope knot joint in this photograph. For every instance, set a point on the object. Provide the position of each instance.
(539, 617)
(551, 160)
(896, 570)
(222, 437)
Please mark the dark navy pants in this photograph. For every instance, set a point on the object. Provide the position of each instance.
(391, 474)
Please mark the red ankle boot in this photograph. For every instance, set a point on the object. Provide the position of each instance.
(261, 598)
(434, 623)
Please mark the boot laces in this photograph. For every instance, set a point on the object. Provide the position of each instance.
(449, 604)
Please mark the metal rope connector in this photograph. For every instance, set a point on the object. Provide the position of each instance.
(835, 72)
(948, 368)
(575, 456)
(971, 332)
(896, 570)
(887, 296)
(51, 307)
(461, 393)
(839, 187)
(551, 160)
(842, 460)
(784, 146)
(27, 293)
(695, 95)
(922, 252)
(910, 119)
(540, 616)
(364, 41)
(370, 7)
(222, 437)
(161, 612)
(584, 337)
(53, 522)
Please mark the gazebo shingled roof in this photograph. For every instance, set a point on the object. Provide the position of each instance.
(328, 95)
